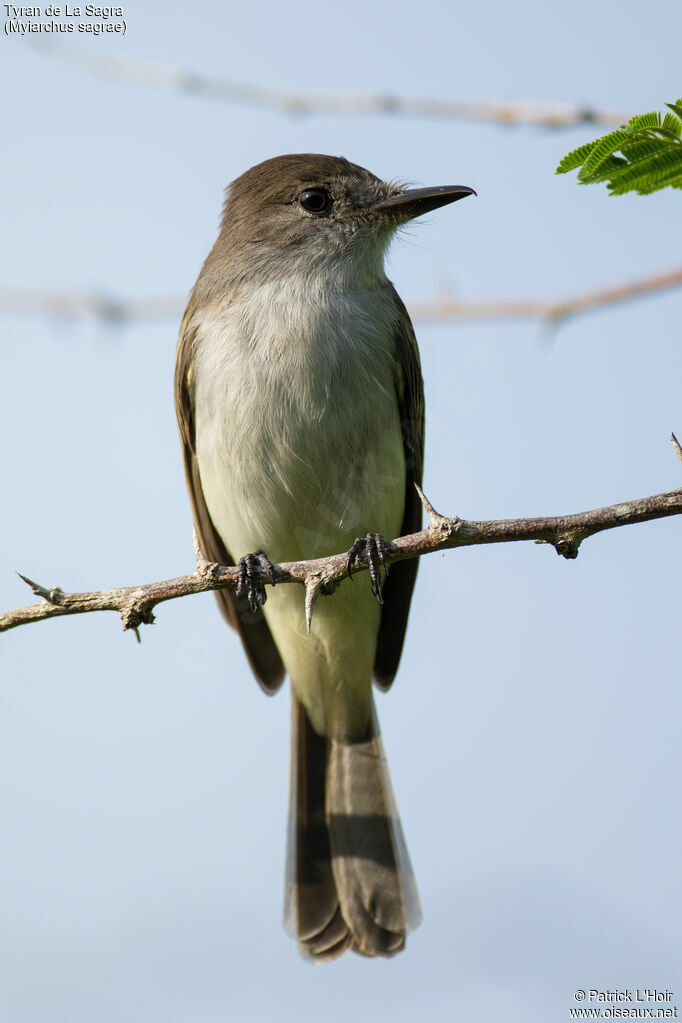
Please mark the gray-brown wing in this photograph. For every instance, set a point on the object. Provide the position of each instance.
(258, 643)
(401, 578)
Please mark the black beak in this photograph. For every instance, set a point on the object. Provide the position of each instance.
(416, 201)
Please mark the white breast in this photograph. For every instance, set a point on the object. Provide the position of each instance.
(298, 434)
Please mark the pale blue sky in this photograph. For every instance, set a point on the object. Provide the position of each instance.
(533, 733)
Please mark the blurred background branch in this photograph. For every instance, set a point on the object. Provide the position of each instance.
(173, 79)
(32, 302)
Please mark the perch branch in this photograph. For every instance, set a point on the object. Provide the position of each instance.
(135, 604)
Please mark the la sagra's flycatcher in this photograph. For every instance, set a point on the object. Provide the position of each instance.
(300, 402)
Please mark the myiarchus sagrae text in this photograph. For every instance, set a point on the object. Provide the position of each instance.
(301, 409)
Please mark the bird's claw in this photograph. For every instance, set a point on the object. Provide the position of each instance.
(373, 548)
(251, 569)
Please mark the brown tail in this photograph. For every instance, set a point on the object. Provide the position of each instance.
(349, 879)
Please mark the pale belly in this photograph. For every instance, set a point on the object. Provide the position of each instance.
(300, 472)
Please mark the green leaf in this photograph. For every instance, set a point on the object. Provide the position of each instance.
(656, 170)
(642, 156)
(609, 167)
(672, 124)
(604, 147)
(636, 155)
(675, 182)
(640, 121)
(575, 158)
(665, 133)
(644, 147)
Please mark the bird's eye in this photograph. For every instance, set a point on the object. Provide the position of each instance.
(315, 200)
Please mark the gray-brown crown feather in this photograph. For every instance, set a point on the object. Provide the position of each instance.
(280, 178)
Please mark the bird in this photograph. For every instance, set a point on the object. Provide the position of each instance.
(300, 404)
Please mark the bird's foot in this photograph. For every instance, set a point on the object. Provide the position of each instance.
(372, 547)
(252, 568)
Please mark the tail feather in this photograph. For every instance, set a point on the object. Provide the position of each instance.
(312, 912)
(408, 884)
(349, 879)
(363, 860)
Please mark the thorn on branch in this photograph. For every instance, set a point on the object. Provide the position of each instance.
(53, 596)
(676, 445)
(207, 571)
(313, 585)
(436, 520)
(316, 583)
(198, 553)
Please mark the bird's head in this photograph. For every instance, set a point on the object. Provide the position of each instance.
(312, 213)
